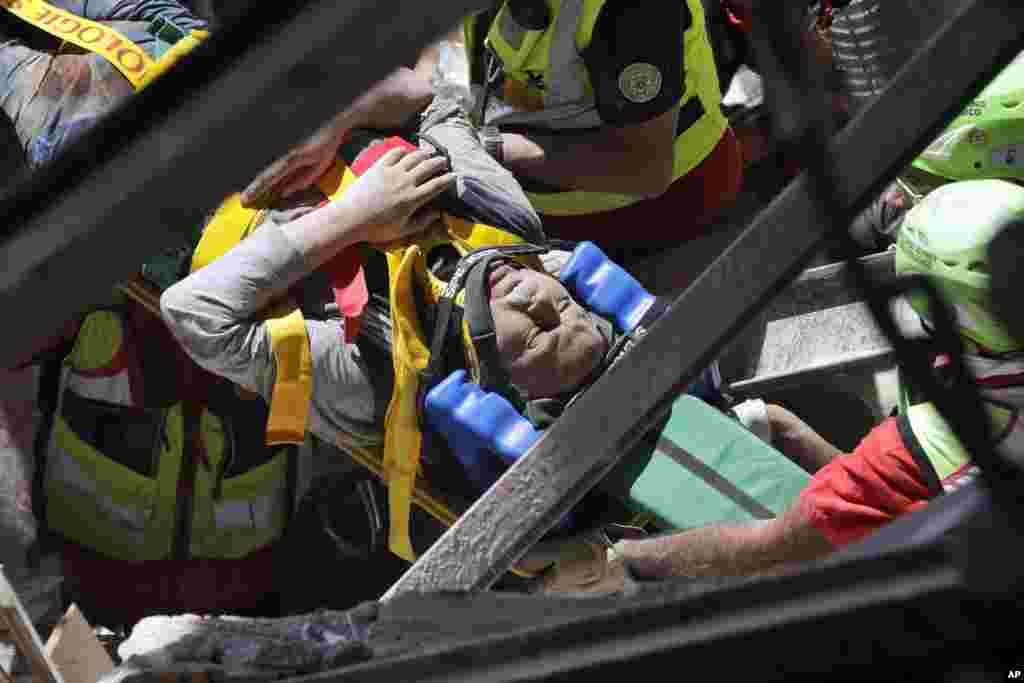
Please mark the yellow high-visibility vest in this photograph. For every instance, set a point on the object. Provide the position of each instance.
(568, 103)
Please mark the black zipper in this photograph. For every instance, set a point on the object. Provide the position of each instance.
(162, 444)
(225, 463)
(186, 483)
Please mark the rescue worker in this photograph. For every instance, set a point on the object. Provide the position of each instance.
(158, 484)
(607, 111)
(907, 460)
(138, 429)
(64, 64)
(979, 144)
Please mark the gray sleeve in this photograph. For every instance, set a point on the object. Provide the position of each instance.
(214, 315)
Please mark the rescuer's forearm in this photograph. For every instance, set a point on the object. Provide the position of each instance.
(388, 103)
(727, 550)
(636, 160)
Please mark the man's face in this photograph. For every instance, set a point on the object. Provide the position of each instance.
(548, 342)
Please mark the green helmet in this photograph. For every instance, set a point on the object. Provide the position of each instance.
(946, 237)
(987, 139)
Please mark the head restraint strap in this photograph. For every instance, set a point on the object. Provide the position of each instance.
(480, 320)
(432, 374)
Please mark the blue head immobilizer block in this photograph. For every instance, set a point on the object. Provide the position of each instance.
(475, 423)
(605, 288)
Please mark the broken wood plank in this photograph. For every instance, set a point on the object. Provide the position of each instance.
(24, 635)
(76, 651)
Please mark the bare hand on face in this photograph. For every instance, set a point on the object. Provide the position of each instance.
(389, 198)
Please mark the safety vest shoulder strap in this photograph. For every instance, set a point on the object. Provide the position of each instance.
(564, 86)
(475, 28)
(566, 99)
(920, 455)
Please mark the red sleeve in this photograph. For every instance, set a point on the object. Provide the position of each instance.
(857, 493)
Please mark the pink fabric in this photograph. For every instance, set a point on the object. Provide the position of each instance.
(19, 421)
(346, 269)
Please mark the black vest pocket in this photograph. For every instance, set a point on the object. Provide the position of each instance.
(128, 436)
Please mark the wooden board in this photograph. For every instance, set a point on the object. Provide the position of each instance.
(24, 635)
(75, 651)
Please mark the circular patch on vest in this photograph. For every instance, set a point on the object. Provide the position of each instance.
(640, 83)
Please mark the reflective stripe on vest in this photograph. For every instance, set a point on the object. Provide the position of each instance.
(568, 102)
(100, 360)
(132, 61)
(247, 514)
(234, 516)
(67, 470)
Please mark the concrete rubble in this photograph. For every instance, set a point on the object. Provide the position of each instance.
(241, 648)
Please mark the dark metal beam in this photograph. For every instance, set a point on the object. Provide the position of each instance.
(871, 618)
(589, 439)
(151, 171)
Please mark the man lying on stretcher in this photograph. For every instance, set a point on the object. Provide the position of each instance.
(454, 304)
